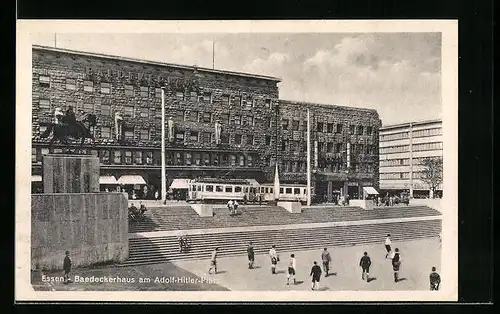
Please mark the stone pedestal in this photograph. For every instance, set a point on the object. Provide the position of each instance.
(70, 173)
(365, 204)
(92, 226)
(73, 215)
(203, 210)
(292, 207)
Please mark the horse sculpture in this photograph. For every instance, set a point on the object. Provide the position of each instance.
(68, 127)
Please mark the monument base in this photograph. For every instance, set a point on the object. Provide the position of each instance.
(365, 204)
(203, 210)
(63, 173)
(93, 227)
(292, 207)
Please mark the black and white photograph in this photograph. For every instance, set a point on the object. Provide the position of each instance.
(236, 160)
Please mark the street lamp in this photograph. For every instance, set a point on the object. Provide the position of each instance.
(163, 174)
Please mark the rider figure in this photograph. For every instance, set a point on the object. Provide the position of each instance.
(70, 116)
(58, 115)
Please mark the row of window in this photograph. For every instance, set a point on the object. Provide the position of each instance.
(427, 146)
(147, 91)
(401, 162)
(427, 132)
(340, 147)
(394, 149)
(295, 125)
(130, 133)
(128, 157)
(338, 167)
(400, 175)
(394, 136)
(406, 134)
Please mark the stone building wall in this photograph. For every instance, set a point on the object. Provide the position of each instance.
(107, 85)
(195, 98)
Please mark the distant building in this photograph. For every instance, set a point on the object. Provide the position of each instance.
(219, 124)
(402, 149)
(344, 147)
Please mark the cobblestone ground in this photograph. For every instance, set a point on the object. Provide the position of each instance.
(417, 259)
(233, 274)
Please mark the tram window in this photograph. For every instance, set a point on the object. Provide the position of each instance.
(209, 188)
(271, 190)
(267, 190)
(288, 191)
(305, 191)
(193, 187)
(199, 188)
(245, 189)
(281, 190)
(218, 188)
(237, 189)
(261, 190)
(296, 191)
(229, 189)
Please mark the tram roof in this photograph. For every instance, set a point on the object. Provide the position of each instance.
(221, 181)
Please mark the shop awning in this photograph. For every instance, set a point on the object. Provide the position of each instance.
(253, 182)
(107, 180)
(36, 178)
(370, 190)
(131, 179)
(180, 184)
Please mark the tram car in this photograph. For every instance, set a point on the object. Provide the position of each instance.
(213, 190)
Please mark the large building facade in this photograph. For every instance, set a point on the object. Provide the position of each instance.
(403, 147)
(344, 147)
(219, 124)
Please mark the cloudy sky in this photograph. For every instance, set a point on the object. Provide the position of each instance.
(398, 74)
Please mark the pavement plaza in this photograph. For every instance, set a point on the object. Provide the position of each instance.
(418, 256)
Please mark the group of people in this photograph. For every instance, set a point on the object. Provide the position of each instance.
(316, 271)
(232, 205)
(184, 243)
(136, 214)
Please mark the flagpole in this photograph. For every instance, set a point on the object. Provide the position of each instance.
(163, 174)
(308, 158)
(213, 53)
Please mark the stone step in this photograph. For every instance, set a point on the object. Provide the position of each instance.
(160, 249)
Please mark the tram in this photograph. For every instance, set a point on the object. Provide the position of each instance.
(213, 190)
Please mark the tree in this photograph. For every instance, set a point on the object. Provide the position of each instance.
(432, 174)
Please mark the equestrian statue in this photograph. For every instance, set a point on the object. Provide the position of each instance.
(66, 126)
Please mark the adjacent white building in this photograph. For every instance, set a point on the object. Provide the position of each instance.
(402, 147)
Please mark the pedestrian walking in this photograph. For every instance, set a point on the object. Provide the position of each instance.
(387, 244)
(326, 258)
(235, 207)
(213, 261)
(274, 259)
(292, 265)
(396, 264)
(316, 275)
(67, 268)
(365, 263)
(434, 279)
(230, 205)
(251, 255)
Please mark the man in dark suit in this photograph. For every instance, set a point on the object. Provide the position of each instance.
(316, 275)
(365, 263)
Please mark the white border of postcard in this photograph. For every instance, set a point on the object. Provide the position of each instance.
(449, 29)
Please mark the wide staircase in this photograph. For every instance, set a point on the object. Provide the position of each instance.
(153, 250)
(183, 217)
